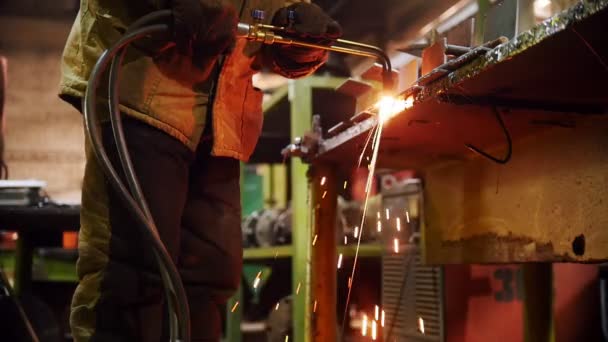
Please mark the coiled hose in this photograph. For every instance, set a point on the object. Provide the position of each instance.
(179, 321)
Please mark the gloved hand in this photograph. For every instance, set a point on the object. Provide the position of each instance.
(307, 22)
(204, 27)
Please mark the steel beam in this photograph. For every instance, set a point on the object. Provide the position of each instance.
(324, 275)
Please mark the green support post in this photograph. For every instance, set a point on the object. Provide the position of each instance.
(24, 257)
(301, 119)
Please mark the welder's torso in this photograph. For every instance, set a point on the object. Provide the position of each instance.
(169, 91)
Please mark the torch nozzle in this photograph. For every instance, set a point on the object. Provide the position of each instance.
(269, 34)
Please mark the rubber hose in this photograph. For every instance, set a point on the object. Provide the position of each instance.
(166, 264)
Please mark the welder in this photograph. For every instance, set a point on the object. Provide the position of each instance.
(190, 114)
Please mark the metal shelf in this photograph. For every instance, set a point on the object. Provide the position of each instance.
(369, 250)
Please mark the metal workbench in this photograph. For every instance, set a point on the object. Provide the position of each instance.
(546, 204)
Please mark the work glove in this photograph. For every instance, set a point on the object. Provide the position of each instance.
(306, 22)
(204, 28)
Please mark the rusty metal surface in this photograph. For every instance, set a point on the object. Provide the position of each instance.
(549, 203)
(552, 63)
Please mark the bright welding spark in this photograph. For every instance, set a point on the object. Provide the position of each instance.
(407, 216)
(356, 232)
(345, 240)
(277, 306)
(396, 245)
(286, 338)
(382, 317)
(323, 180)
(345, 184)
(234, 307)
(378, 215)
(389, 106)
(377, 313)
(398, 224)
(298, 288)
(314, 241)
(256, 282)
(388, 214)
(314, 307)
(374, 330)
(379, 226)
(324, 194)
(15, 236)
(370, 177)
(364, 326)
(340, 261)
(421, 325)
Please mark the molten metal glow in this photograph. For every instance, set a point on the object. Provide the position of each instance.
(389, 107)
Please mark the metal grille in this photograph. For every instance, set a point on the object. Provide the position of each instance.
(410, 292)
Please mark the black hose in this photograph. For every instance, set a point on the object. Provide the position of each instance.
(124, 155)
(169, 274)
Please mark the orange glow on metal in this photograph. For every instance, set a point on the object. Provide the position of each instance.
(389, 106)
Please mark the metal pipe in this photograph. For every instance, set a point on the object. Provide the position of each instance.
(268, 34)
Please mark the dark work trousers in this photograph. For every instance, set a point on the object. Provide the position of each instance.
(195, 201)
